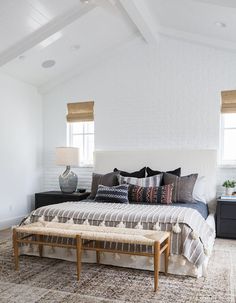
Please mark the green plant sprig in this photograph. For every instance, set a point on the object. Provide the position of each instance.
(229, 184)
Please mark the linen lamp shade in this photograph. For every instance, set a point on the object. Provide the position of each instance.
(67, 156)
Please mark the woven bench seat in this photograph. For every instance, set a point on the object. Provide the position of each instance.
(98, 233)
(36, 233)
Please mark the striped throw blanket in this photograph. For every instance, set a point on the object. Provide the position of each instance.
(189, 231)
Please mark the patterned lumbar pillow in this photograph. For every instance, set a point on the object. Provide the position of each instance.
(151, 195)
(183, 187)
(114, 194)
(153, 181)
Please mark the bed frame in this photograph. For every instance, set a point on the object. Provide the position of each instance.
(202, 162)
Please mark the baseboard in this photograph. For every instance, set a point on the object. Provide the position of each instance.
(4, 224)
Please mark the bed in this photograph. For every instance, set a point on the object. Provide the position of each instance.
(192, 225)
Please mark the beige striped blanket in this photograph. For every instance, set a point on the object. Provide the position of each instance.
(190, 233)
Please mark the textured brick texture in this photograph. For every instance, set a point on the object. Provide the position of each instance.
(146, 97)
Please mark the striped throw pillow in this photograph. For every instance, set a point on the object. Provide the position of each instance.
(151, 195)
(113, 194)
(153, 181)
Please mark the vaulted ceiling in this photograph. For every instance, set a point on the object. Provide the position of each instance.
(44, 41)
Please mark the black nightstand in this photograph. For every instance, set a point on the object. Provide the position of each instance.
(226, 218)
(54, 197)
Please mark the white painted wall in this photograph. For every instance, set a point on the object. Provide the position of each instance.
(164, 97)
(21, 148)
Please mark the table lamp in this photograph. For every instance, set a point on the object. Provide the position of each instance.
(68, 156)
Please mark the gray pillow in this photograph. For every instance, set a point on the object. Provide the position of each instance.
(183, 187)
(109, 179)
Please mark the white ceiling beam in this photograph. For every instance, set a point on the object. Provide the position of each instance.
(197, 38)
(44, 32)
(141, 16)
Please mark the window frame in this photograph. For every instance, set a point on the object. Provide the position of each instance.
(222, 162)
(70, 135)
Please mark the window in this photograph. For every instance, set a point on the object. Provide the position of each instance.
(81, 134)
(80, 130)
(228, 128)
(228, 139)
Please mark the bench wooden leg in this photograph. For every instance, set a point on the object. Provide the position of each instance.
(15, 248)
(97, 245)
(78, 254)
(167, 254)
(40, 239)
(156, 264)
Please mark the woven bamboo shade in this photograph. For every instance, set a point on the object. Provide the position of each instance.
(80, 111)
(228, 101)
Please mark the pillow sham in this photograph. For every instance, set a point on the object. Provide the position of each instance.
(150, 172)
(137, 174)
(151, 195)
(183, 187)
(114, 194)
(199, 190)
(144, 182)
(109, 179)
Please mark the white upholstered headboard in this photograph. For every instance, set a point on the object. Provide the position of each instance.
(202, 162)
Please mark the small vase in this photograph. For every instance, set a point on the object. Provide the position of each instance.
(229, 191)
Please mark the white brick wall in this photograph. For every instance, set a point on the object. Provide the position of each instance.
(145, 97)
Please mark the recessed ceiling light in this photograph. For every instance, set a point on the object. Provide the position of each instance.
(220, 24)
(48, 63)
(75, 47)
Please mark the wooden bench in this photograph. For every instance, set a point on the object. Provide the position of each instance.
(89, 237)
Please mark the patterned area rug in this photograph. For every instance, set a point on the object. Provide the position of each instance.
(47, 281)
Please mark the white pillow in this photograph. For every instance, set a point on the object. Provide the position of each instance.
(199, 190)
(153, 181)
